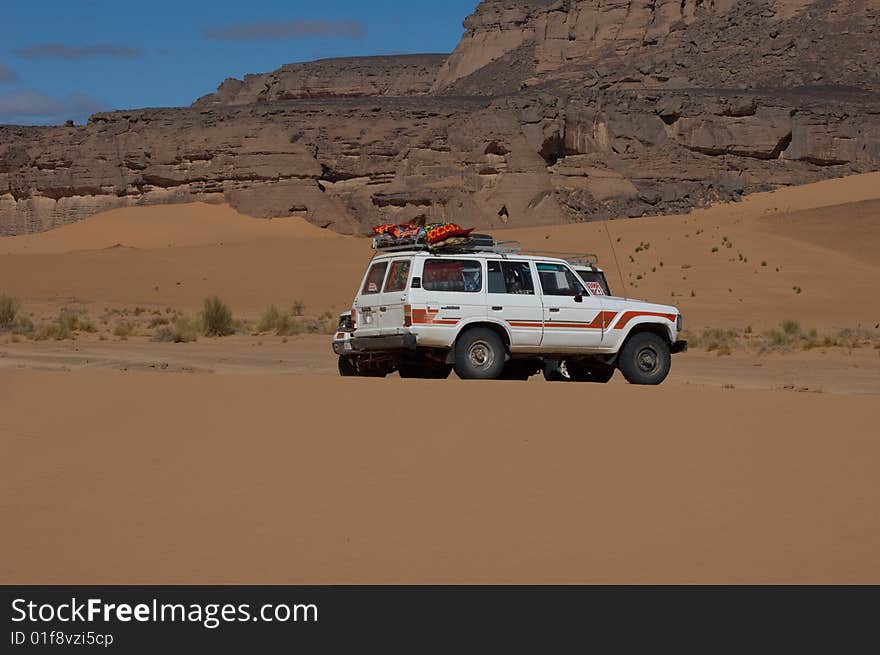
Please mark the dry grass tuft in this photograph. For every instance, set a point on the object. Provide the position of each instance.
(8, 311)
(216, 318)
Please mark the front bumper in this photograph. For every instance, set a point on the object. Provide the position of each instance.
(375, 344)
(679, 347)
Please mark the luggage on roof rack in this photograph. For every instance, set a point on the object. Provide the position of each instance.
(437, 237)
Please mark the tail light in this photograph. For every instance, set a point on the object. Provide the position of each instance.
(407, 316)
(354, 319)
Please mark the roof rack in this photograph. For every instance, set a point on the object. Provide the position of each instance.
(497, 247)
(479, 243)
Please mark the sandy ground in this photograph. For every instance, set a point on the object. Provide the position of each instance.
(831, 370)
(153, 478)
(246, 459)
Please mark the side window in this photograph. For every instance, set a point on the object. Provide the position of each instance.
(460, 275)
(510, 277)
(398, 275)
(558, 280)
(373, 283)
(595, 282)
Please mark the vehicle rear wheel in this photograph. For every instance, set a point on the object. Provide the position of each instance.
(479, 355)
(347, 366)
(645, 359)
(589, 371)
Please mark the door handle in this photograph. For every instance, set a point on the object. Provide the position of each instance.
(383, 309)
(453, 307)
(497, 309)
(554, 310)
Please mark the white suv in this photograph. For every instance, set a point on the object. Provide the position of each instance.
(498, 314)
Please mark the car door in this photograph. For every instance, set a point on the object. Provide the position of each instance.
(512, 298)
(394, 296)
(573, 319)
(368, 300)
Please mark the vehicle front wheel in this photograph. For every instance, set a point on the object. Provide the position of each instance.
(645, 359)
(479, 355)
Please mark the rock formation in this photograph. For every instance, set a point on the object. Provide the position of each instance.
(547, 112)
(403, 75)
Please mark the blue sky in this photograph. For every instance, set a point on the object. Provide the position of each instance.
(63, 59)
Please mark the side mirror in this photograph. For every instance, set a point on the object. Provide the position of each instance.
(579, 298)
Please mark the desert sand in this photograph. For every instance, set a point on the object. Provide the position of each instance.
(246, 459)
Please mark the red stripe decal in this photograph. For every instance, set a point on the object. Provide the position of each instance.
(628, 316)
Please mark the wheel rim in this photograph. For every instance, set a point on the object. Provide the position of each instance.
(647, 360)
(481, 355)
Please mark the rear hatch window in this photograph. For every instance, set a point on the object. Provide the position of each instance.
(373, 283)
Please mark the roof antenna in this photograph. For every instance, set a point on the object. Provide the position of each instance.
(616, 261)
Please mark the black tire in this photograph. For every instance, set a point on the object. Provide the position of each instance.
(479, 355)
(645, 359)
(353, 366)
(424, 370)
(589, 371)
(347, 366)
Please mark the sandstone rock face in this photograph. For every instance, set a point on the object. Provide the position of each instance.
(402, 75)
(548, 112)
(667, 44)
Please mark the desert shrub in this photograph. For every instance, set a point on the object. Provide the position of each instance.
(298, 308)
(65, 326)
(68, 320)
(165, 334)
(23, 325)
(8, 311)
(271, 320)
(84, 324)
(216, 318)
(57, 331)
(123, 329)
(159, 321)
(186, 329)
(329, 322)
(791, 328)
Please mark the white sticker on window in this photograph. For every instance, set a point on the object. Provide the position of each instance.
(595, 288)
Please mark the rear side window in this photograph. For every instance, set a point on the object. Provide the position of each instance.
(461, 275)
(510, 277)
(373, 283)
(398, 275)
(558, 280)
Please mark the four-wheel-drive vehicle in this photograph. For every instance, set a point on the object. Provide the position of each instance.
(497, 313)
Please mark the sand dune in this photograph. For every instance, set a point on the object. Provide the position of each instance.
(820, 238)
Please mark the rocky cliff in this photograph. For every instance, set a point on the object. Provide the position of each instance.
(402, 75)
(547, 112)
